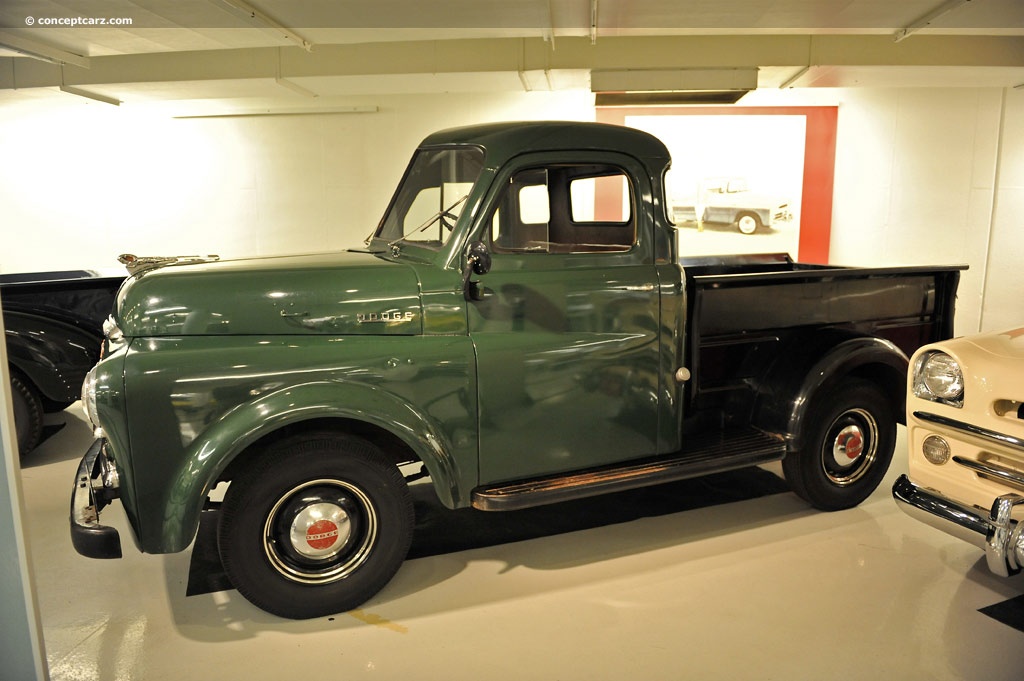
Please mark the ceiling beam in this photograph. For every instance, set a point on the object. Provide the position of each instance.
(518, 54)
(41, 51)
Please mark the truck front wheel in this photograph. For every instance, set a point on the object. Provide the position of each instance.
(849, 438)
(316, 525)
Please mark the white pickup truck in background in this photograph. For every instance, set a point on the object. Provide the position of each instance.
(729, 200)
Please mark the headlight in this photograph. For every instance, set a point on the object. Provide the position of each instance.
(937, 377)
(89, 397)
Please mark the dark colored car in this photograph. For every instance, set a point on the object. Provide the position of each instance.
(54, 328)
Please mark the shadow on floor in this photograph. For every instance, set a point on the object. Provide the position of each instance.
(440, 530)
(1010, 613)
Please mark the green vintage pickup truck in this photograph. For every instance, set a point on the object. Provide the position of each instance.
(519, 328)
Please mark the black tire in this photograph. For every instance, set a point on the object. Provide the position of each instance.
(849, 436)
(317, 524)
(28, 414)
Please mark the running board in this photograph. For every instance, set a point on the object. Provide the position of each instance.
(703, 454)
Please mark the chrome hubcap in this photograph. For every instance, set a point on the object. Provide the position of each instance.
(850, 447)
(320, 531)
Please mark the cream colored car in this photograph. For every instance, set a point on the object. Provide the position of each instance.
(965, 429)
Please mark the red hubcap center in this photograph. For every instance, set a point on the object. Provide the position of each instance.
(322, 534)
(852, 444)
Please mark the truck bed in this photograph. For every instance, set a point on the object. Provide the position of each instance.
(741, 305)
(83, 298)
(741, 294)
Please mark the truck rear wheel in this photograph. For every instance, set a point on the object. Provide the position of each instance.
(316, 525)
(748, 223)
(849, 438)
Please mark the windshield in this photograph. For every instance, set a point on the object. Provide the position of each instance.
(431, 196)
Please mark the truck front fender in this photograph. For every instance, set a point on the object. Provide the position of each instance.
(222, 443)
(814, 364)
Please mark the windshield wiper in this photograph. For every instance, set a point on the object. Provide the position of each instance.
(443, 213)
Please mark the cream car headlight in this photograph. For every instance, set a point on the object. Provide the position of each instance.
(937, 377)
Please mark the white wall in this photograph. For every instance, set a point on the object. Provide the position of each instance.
(1004, 280)
(923, 176)
(916, 182)
(82, 182)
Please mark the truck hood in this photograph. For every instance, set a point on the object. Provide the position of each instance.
(1007, 344)
(332, 294)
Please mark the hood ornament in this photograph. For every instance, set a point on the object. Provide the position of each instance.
(136, 264)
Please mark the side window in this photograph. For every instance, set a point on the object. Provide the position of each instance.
(602, 199)
(534, 204)
(566, 208)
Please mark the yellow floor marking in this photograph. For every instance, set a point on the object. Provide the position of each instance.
(378, 621)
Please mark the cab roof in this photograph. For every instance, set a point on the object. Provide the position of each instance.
(502, 141)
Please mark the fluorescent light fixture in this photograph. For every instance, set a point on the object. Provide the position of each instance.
(237, 113)
(259, 17)
(41, 51)
(654, 87)
(90, 95)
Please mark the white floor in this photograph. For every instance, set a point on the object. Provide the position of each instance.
(761, 589)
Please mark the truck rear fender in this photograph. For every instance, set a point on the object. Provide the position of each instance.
(226, 443)
(810, 365)
(53, 355)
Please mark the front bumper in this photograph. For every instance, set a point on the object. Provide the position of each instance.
(95, 486)
(997, 533)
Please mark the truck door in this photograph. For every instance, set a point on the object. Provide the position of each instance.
(566, 333)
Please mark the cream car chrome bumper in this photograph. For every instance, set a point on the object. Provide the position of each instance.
(995, 531)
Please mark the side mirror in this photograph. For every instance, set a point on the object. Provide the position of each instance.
(478, 261)
(479, 257)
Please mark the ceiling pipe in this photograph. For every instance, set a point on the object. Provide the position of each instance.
(551, 25)
(90, 95)
(924, 21)
(789, 82)
(593, 22)
(289, 85)
(86, 93)
(260, 17)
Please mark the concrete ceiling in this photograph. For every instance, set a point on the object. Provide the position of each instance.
(316, 53)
